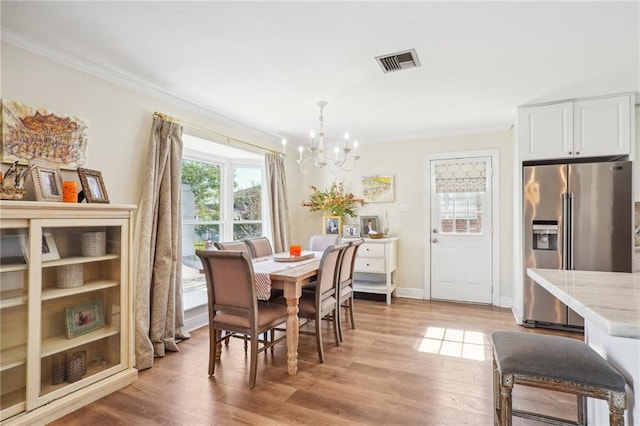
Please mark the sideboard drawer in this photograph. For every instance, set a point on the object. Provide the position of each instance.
(373, 265)
(371, 250)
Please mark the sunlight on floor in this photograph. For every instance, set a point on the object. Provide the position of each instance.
(453, 342)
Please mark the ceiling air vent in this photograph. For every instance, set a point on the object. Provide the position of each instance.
(398, 61)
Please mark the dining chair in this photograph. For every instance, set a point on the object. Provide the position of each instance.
(323, 300)
(346, 292)
(233, 305)
(319, 242)
(259, 247)
(232, 245)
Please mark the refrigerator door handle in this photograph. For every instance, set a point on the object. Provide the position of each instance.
(571, 229)
(565, 231)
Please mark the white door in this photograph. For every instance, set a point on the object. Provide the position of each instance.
(461, 247)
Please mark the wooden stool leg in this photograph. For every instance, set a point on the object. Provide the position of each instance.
(582, 410)
(617, 405)
(506, 386)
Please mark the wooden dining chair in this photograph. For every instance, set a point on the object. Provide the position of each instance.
(345, 292)
(259, 247)
(319, 242)
(233, 305)
(322, 301)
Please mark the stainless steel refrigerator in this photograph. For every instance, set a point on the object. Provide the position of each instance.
(577, 216)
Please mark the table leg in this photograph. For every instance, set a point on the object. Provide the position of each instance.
(292, 295)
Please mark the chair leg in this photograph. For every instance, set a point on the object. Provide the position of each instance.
(273, 337)
(339, 310)
(319, 339)
(214, 353)
(617, 405)
(336, 324)
(353, 322)
(254, 361)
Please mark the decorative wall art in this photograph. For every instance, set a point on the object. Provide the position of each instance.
(378, 189)
(34, 133)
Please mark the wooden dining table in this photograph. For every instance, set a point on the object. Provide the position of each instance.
(291, 281)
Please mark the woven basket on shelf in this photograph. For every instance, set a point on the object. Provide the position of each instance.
(76, 366)
(58, 368)
(69, 276)
(93, 243)
(376, 236)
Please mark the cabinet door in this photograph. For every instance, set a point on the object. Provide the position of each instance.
(602, 126)
(82, 295)
(545, 131)
(14, 322)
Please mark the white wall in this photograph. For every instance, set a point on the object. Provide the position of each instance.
(405, 160)
(119, 122)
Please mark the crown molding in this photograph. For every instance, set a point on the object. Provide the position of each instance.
(129, 82)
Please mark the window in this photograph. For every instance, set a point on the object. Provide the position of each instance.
(222, 200)
(461, 212)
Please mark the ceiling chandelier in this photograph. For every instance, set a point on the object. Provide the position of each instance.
(320, 156)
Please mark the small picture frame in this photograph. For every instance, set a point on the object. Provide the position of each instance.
(93, 186)
(369, 225)
(47, 182)
(49, 248)
(83, 319)
(332, 225)
(351, 231)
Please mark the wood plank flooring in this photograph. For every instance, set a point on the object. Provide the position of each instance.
(393, 369)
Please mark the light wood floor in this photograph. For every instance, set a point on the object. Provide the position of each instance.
(389, 371)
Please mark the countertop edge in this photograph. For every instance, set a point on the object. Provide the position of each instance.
(613, 328)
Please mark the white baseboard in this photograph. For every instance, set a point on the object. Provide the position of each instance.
(410, 293)
(196, 317)
(506, 302)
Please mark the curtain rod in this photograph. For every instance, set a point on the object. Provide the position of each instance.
(211, 132)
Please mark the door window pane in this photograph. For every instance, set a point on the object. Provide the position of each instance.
(461, 212)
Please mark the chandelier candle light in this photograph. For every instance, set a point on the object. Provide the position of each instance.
(318, 156)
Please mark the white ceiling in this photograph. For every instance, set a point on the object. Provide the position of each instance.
(267, 63)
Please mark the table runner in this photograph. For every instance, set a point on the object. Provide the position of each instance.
(263, 267)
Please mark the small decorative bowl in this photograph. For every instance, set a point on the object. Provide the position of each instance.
(376, 236)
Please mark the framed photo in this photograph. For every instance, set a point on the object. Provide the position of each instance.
(47, 182)
(332, 225)
(369, 225)
(351, 231)
(82, 319)
(93, 186)
(378, 189)
(49, 248)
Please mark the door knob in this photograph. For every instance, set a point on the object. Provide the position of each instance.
(435, 240)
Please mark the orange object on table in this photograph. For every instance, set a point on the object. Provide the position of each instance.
(295, 251)
(69, 192)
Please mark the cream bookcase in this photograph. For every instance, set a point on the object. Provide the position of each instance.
(40, 242)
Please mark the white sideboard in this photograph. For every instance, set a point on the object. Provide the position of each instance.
(375, 266)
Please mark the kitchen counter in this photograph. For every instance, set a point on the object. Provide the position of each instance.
(609, 302)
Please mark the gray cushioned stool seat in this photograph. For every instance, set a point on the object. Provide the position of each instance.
(555, 363)
(555, 358)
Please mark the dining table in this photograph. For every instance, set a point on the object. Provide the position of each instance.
(288, 275)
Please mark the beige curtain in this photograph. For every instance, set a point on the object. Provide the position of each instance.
(278, 204)
(158, 298)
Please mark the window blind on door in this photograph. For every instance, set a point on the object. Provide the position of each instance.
(468, 176)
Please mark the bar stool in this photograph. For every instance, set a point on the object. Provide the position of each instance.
(554, 363)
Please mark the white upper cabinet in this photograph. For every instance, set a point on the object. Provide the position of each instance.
(574, 129)
(546, 131)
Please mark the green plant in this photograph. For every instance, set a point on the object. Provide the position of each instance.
(333, 201)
